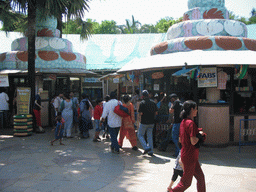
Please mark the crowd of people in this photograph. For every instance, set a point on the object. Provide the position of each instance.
(146, 109)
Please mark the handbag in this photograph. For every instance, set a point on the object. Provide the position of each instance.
(87, 122)
(121, 111)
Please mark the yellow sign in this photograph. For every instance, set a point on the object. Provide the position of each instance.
(23, 100)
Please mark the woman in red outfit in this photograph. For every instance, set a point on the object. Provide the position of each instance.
(190, 138)
(127, 127)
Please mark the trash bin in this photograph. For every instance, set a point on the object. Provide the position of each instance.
(23, 125)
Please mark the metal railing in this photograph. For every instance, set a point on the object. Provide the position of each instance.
(247, 132)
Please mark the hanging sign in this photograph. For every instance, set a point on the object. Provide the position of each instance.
(157, 75)
(156, 87)
(52, 76)
(4, 81)
(116, 80)
(91, 80)
(23, 100)
(207, 77)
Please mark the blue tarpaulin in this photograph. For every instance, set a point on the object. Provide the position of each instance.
(184, 72)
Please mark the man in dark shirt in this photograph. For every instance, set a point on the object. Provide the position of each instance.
(37, 110)
(147, 111)
(175, 109)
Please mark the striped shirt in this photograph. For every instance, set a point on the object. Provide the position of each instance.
(108, 111)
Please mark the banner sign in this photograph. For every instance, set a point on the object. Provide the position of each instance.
(207, 77)
(91, 80)
(4, 81)
(157, 75)
(116, 80)
(156, 87)
(23, 100)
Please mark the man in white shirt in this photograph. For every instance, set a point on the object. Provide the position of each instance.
(57, 102)
(114, 121)
(4, 105)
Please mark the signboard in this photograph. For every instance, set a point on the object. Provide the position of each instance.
(23, 100)
(157, 75)
(52, 76)
(156, 87)
(207, 77)
(91, 80)
(4, 82)
(116, 80)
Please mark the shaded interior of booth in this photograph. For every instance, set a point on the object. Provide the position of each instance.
(219, 111)
(53, 85)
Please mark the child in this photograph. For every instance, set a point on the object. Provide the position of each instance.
(97, 114)
(177, 170)
(59, 129)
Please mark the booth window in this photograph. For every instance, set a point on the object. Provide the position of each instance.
(182, 86)
(74, 84)
(245, 93)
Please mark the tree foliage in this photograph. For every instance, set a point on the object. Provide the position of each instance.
(252, 19)
(75, 25)
(106, 27)
(164, 24)
(12, 21)
(131, 27)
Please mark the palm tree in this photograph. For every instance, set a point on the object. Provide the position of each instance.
(130, 27)
(253, 12)
(72, 9)
(8, 17)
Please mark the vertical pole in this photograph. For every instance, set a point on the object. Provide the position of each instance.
(103, 88)
(31, 51)
(107, 87)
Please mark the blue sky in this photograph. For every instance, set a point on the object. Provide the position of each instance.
(151, 11)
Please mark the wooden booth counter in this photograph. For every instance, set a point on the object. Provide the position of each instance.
(214, 119)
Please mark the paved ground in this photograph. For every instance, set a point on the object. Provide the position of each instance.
(30, 164)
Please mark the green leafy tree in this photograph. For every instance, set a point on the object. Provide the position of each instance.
(164, 24)
(107, 27)
(148, 29)
(11, 20)
(95, 25)
(243, 20)
(77, 26)
(232, 16)
(252, 19)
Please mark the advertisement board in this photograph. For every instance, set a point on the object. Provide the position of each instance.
(23, 100)
(207, 77)
(4, 82)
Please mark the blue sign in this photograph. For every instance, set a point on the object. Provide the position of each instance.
(91, 80)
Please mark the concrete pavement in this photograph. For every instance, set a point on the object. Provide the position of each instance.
(31, 164)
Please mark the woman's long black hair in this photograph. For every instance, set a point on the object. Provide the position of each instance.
(187, 106)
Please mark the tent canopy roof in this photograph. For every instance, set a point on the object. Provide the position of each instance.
(191, 58)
